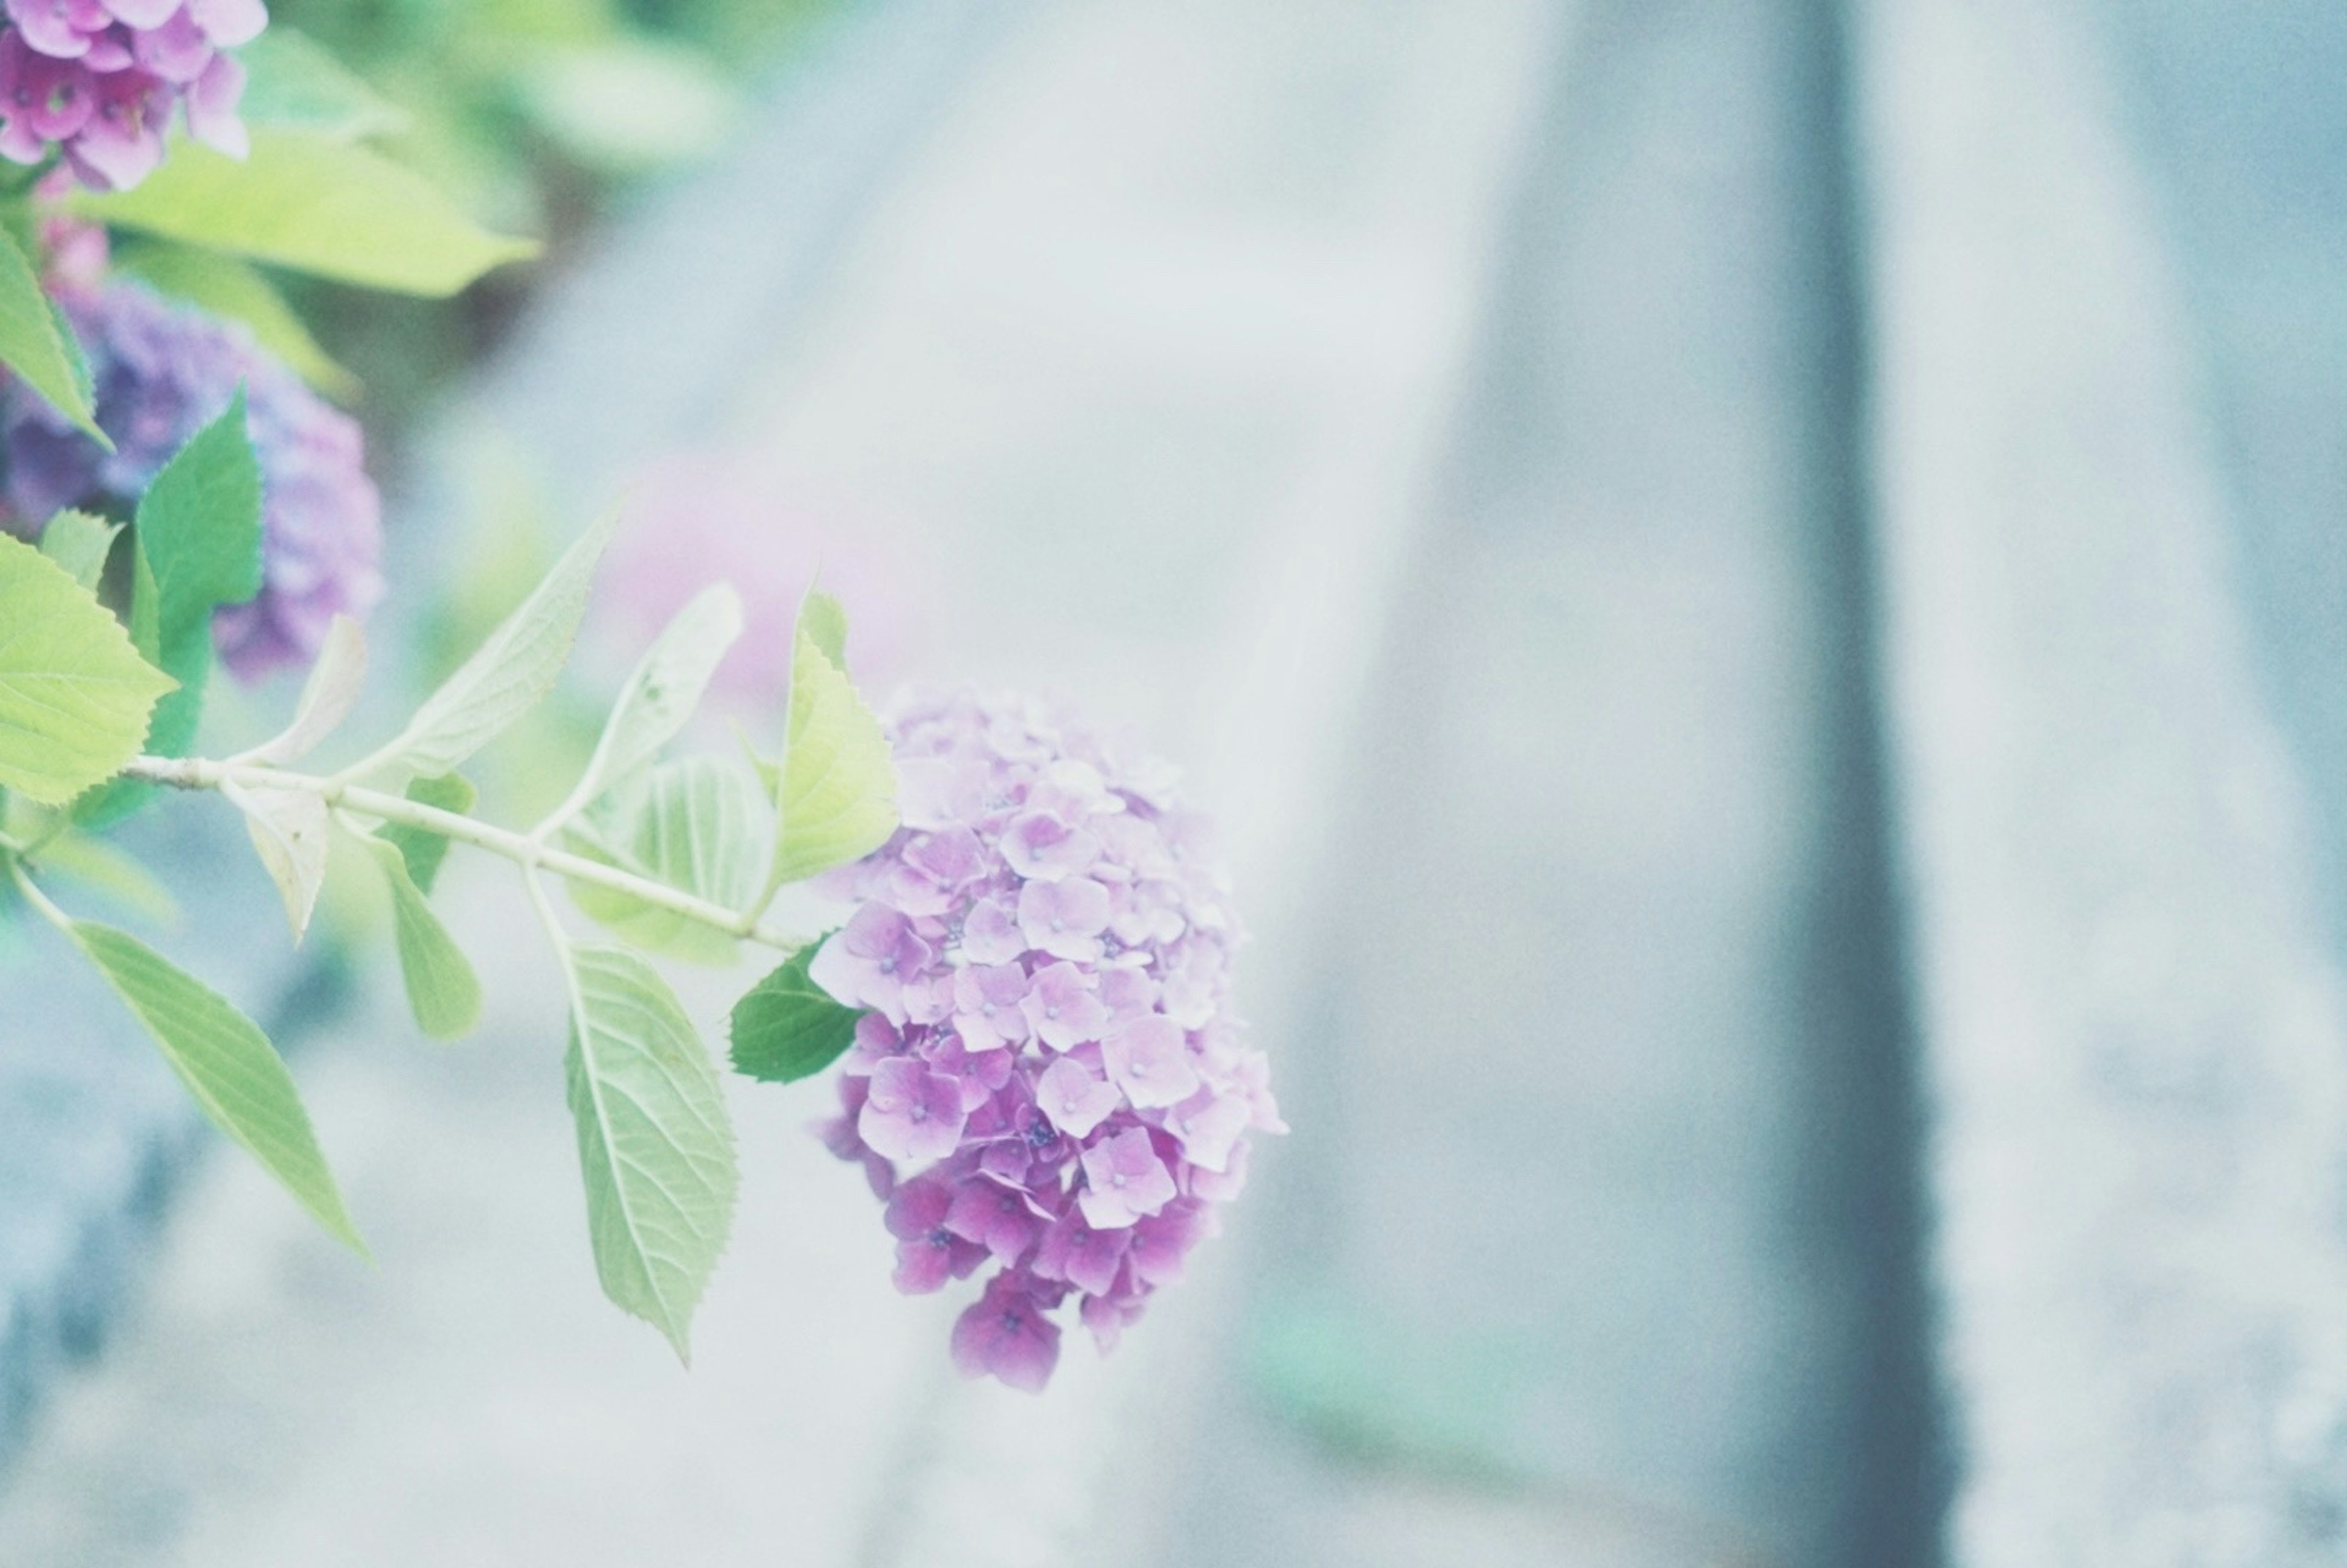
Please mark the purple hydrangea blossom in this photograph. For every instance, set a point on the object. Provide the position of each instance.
(100, 79)
(1047, 1079)
(162, 374)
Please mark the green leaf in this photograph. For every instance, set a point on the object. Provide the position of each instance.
(505, 676)
(423, 849)
(624, 106)
(788, 1028)
(698, 824)
(821, 618)
(198, 543)
(230, 1067)
(235, 289)
(662, 691)
(655, 1145)
(37, 346)
(288, 827)
(315, 203)
(838, 793)
(80, 543)
(199, 527)
(102, 868)
(328, 695)
(74, 696)
(442, 991)
(291, 83)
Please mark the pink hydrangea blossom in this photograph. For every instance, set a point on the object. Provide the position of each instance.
(100, 79)
(1048, 1080)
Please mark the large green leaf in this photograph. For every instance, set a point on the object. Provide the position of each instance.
(198, 547)
(838, 786)
(442, 991)
(317, 203)
(37, 346)
(788, 1028)
(235, 289)
(699, 824)
(229, 1065)
(199, 525)
(514, 668)
(655, 1145)
(74, 696)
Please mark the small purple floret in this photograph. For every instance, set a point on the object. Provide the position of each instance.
(100, 79)
(1046, 950)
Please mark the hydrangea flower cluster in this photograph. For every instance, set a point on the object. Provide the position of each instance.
(1047, 1079)
(99, 78)
(162, 374)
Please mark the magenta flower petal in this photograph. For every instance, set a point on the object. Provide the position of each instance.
(1149, 1060)
(177, 51)
(60, 29)
(230, 23)
(1063, 1007)
(1006, 1334)
(1123, 1180)
(1064, 919)
(911, 1114)
(1086, 1258)
(1074, 1097)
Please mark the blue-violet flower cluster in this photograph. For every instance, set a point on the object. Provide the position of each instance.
(100, 79)
(1049, 1080)
(162, 374)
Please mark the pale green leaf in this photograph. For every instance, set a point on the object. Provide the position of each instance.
(442, 991)
(80, 543)
(422, 848)
(288, 827)
(98, 866)
(505, 676)
(291, 83)
(700, 825)
(315, 203)
(229, 1065)
(838, 789)
(37, 346)
(235, 289)
(788, 1028)
(823, 618)
(627, 105)
(663, 693)
(328, 695)
(655, 1145)
(74, 696)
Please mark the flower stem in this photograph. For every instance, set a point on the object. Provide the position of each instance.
(525, 851)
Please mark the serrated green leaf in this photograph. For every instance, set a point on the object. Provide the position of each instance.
(198, 543)
(292, 83)
(423, 849)
(36, 345)
(315, 203)
(823, 618)
(787, 1027)
(199, 527)
(655, 1145)
(662, 692)
(74, 696)
(505, 676)
(328, 695)
(235, 289)
(80, 543)
(229, 1065)
(838, 790)
(442, 991)
(700, 825)
(288, 829)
